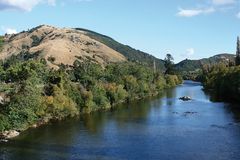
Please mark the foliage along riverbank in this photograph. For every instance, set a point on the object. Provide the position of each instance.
(34, 94)
(223, 82)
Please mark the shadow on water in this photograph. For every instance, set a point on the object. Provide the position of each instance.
(230, 107)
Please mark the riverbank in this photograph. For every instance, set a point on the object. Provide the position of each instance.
(223, 82)
(42, 94)
(10, 134)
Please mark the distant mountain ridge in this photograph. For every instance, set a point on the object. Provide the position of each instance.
(193, 65)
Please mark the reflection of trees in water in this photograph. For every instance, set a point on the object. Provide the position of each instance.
(136, 110)
(157, 102)
(171, 96)
(63, 132)
(213, 96)
(235, 110)
(94, 122)
(51, 151)
(121, 114)
(133, 111)
(232, 108)
(52, 141)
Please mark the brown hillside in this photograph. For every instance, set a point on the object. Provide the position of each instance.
(65, 45)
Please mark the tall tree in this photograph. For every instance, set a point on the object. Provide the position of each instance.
(169, 64)
(238, 52)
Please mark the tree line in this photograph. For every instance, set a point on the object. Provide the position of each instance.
(35, 93)
(224, 80)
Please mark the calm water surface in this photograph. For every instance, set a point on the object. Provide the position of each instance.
(159, 128)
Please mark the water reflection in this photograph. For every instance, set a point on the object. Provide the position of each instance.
(171, 96)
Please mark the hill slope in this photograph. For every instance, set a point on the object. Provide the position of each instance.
(58, 46)
(64, 46)
(129, 52)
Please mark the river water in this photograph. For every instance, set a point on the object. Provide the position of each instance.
(158, 128)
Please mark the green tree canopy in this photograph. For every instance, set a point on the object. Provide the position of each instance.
(169, 64)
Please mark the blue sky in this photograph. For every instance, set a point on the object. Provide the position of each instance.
(186, 29)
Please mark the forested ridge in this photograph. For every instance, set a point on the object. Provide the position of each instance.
(192, 69)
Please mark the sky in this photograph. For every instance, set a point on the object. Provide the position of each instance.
(190, 29)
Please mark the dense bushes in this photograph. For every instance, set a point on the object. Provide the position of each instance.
(4, 122)
(224, 82)
(35, 40)
(173, 80)
(37, 92)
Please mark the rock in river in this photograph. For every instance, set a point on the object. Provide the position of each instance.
(185, 98)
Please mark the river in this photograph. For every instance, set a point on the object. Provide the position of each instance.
(157, 128)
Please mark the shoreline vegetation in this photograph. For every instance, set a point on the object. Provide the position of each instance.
(32, 94)
(223, 82)
(224, 79)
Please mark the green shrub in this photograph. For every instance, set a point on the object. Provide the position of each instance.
(115, 93)
(100, 96)
(224, 81)
(60, 106)
(51, 59)
(35, 40)
(4, 123)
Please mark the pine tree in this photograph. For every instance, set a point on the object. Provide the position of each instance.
(169, 64)
(238, 52)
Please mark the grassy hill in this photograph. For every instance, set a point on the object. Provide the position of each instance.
(57, 46)
(129, 52)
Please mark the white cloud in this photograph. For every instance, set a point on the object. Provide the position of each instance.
(11, 31)
(188, 12)
(25, 5)
(52, 2)
(238, 15)
(8, 30)
(28, 5)
(189, 52)
(223, 2)
(194, 12)
(210, 6)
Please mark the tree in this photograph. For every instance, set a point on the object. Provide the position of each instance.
(169, 64)
(238, 52)
(1, 42)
